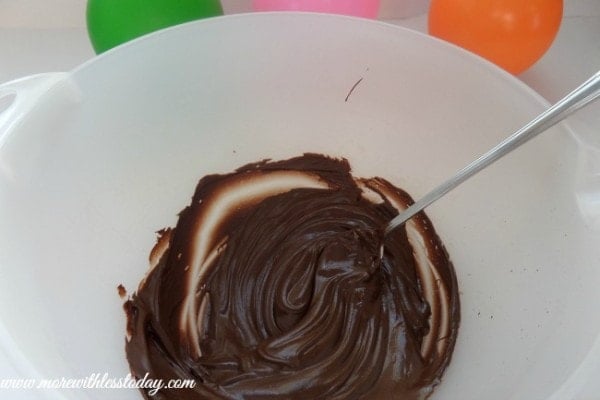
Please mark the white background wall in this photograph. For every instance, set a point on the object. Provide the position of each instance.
(51, 13)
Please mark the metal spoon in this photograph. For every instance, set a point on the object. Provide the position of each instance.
(578, 98)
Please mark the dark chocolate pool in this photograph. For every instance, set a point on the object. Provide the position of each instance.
(272, 286)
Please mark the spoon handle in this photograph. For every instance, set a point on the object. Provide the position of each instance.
(578, 98)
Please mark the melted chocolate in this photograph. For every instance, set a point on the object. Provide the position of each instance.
(272, 286)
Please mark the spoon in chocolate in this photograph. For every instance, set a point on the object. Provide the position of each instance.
(578, 98)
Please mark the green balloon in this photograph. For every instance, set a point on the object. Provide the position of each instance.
(112, 22)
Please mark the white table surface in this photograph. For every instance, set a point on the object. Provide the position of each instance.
(49, 35)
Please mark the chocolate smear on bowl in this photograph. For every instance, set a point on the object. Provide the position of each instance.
(272, 286)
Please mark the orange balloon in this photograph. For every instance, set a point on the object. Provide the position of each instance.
(513, 34)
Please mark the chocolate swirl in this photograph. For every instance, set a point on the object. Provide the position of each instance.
(272, 286)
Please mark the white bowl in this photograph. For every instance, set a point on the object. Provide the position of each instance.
(110, 152)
